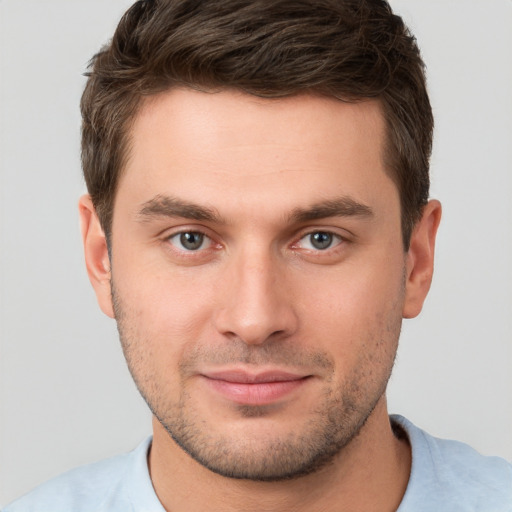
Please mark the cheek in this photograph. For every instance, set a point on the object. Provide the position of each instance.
(176, 311)
(157, 324)
(355, 311)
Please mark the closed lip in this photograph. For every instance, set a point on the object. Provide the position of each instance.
(254, 388)
(239, 376)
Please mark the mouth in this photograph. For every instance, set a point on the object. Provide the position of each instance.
(248, 388)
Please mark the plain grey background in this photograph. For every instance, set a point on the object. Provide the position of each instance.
(66, 397)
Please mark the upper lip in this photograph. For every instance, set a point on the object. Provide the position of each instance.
(246, 377)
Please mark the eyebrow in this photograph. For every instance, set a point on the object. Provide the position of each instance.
(165, 206)
(338, 207)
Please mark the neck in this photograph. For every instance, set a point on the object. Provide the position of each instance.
(370, 473)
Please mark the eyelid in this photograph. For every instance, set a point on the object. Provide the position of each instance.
(337, 240)
(168, 234)
(341, 234)
(206, 240)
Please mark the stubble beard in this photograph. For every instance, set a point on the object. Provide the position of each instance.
(295, 454)
(338, 419)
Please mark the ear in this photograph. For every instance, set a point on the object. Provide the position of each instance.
(97, 259)
(420, 259)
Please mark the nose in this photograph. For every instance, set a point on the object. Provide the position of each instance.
(256, 304)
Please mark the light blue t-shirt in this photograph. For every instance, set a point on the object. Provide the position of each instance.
(446, 476)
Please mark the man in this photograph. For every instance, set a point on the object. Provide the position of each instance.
(258, 225)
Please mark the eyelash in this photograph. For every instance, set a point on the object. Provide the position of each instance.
(181, 234)
(332, 244)
(334, 240)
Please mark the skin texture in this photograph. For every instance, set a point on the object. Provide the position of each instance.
(217, 271)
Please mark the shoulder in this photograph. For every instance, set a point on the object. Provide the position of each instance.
(451, 475)
(87, 488)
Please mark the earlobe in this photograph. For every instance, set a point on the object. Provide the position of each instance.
(96, 254)
(420, 259)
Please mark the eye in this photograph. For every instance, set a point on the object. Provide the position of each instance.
(190, 241)
(319, 240)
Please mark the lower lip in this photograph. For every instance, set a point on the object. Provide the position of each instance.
(258, 393)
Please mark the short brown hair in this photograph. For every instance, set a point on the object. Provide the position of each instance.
(347, 49)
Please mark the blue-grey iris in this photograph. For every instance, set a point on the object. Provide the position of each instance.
(321, 240)
(191, 240)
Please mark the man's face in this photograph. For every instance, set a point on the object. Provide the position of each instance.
(258, 275)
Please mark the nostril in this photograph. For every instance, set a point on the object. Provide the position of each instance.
(255, 329)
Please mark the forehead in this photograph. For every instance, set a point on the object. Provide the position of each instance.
(235, 118)
(210, 146)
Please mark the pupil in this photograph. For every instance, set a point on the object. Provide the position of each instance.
(191, 241)
(321, 240)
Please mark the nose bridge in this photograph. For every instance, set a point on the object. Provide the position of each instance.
(257, 306)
